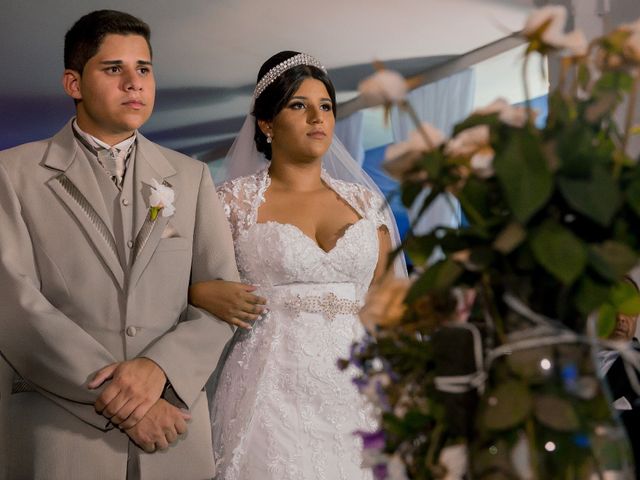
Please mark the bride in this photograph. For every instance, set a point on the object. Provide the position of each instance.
(311, 233)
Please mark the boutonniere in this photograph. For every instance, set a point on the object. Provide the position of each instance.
(161, 199)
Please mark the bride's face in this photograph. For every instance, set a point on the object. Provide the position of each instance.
(303, 129)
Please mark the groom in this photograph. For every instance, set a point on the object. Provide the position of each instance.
(102, 232)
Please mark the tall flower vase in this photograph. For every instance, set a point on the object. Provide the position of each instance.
(545, 415)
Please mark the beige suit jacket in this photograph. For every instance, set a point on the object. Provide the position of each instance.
(68, 307)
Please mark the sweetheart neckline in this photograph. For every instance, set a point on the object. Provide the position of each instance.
(313, 241)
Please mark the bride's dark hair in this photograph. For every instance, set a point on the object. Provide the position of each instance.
(274, 98)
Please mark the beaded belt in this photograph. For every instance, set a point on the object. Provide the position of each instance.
(328, 304)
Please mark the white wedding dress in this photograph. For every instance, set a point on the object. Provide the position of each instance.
(282, 409)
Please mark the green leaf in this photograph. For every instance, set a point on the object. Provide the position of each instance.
(523, 173)
(509, 238)
(625, 298)
(583, 75)
(433, 162)
(606, 320)
(526, 363)
(437, 277)
(556, 413)
(596, 197)
(616, 81)
(507, 406)
(633, 195)
(612, 259)
(475, 195)
(591, 295)
(420, 248)
(410, 191)
(559, 252)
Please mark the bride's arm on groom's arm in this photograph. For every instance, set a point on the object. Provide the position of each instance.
(233, 302)
(47, 349)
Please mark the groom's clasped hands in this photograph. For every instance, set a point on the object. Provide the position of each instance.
(132, 401)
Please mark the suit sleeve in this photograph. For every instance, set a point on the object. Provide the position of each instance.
(50, 351)
(189, 353)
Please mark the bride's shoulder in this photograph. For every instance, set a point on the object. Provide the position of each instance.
(356, 192)
(240, 188)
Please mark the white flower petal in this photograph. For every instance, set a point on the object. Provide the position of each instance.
(455, 459)
(400, 158)
(575, 43)
(555, 15)
(383, 87)
(162, 197)
(631, 47)
(631, 27)
(396, 469)
(521, 458)
(468, 141)
(482, 163)
(514, 116)
(496, 106)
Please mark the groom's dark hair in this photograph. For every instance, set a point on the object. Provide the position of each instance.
(83, 40)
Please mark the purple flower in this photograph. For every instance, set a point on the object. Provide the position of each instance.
(380, 471)
(360, 382)
(372, 440)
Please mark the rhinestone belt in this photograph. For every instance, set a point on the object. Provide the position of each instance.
(329, 305)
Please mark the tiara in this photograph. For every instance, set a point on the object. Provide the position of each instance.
(275, 72)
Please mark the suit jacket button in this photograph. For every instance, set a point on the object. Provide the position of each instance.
(130, 244)
(132, 331)
(125, 202)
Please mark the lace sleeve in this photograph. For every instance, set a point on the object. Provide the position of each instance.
(240, 199)
(374, 207)
(225, 194)
(367, 203)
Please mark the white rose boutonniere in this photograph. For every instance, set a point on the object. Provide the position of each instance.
(161, 199)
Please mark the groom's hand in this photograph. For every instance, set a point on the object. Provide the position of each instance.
(134, 387)
(160, 427)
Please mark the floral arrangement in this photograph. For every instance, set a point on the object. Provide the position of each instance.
(483, 361)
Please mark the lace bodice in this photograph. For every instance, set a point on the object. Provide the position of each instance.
(270, 254)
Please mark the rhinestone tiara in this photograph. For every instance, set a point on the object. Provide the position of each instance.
(275, 72)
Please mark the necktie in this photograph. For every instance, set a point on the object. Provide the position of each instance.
(114, 162)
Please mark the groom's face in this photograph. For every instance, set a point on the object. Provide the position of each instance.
(116, 89)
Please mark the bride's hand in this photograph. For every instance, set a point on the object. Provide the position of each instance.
(231, 302)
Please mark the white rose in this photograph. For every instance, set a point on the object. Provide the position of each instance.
(382, 88)
(514, 116)
(401, 157)
(548, 23)
(162, 197)
(554, 16)
(468, 141)
(496, 106)
(396, 469)
(455, 459)
(521, 459)
(575, 44)
(482, 162)
(631, 27)
(631, 47)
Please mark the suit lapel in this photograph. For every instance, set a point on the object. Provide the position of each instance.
(150, 164)
(77, 188)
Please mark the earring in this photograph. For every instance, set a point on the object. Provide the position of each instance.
(269, 138)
